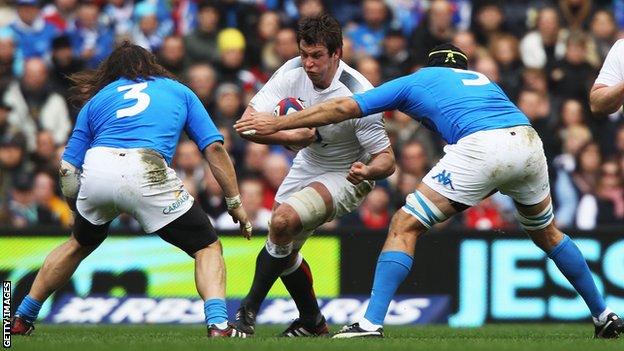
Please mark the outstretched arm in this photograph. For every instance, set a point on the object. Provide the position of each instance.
(301, 137)
(329, 112)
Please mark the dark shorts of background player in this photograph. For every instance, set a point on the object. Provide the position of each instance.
(190, 232)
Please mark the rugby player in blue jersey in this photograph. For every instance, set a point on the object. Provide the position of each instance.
(491, 146)
(117, 160)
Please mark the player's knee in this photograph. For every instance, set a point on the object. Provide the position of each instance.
(537, 222)
(75, 247)
(405, 226)
(281, 224)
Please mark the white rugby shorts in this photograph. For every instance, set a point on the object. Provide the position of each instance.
(134, 181)
(509, 159)
(346, 196)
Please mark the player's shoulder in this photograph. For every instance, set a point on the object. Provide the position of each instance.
(352, 79)
(291, 69)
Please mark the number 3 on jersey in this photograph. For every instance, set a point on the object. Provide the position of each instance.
(481, 79)
(134, 91)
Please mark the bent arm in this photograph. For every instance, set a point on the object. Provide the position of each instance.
(222, 168)
(329, 112)
(605, 99)
(301, 137)
(382, 165)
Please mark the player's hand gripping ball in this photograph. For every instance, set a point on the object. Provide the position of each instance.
(287, 106)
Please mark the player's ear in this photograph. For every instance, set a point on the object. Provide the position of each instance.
(338, 53)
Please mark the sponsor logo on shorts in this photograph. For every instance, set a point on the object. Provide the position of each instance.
(181, 198)
(444, 178)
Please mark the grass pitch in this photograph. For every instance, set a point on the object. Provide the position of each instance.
(568, 337)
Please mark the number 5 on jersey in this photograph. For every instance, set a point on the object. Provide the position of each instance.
(134, 92)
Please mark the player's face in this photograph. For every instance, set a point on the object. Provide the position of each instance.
(318, 64)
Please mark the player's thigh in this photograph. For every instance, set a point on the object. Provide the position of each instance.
(190, 232)
(345, 196)
(423, 208)
(87, 233)
(538, 222)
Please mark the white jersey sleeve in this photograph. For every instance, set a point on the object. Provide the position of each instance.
(275, 89)
(371, 133)
(612, 71)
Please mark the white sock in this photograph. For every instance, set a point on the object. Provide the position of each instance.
(222, 325)
(602, 318)
(368, 326)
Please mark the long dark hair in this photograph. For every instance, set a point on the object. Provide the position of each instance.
(127, 60)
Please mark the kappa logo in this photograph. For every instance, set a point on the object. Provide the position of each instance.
(444, 178)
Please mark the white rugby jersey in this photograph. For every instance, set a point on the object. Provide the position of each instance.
(612, 71)
(338, 145)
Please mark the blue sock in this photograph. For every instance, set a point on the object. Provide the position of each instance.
(572, 264)
(29, 309)
(215, 311)
(392, 269)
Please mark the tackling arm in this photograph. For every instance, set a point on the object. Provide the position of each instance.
(301, 137)
(605, 99)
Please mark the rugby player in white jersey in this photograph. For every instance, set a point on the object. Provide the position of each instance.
(330, 176)
(607, 94)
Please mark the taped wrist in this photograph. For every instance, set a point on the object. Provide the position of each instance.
(233, 202)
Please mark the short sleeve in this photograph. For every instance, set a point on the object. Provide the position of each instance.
(371, 133)
(272, 92)
(612, 71)
(80, 139)
(386, 97)
(199, 126)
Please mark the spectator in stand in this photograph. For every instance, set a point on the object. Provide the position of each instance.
(91, 40)
(348, 54)
(6, 129)
(119, 14)
(184, 15)
(13, 162)
(370, 69)
(604, 32)
(402, 130)
(576, 13)
(260, 50)
(189, 164)
(34, 35)
(274, 171)
(414, 160)
(505, 51)
(44, 157)
(231, 44)
(487, 65)
(467, 42)
(542, 47)
(22, 209)
(394, 60)
(202, 79)
(11, 58)
(251, 195)
(239, 14)
(64, 64)
(573, 76)
(229, 105)
(436, 29)
(61, 13)
(368, 36)
(286, 46)
(148, 31)
(373, 213)
(309, 8)
(172, 55)
(254, 158)
(35, 106)
(45, 197)
(488, 22)
(201, 43)
(566, 195)
(537, 108)
(536, 80)
(610, 194)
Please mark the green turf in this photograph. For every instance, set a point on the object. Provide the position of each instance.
(568, 337)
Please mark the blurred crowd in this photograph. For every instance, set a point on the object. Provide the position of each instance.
(544, 54)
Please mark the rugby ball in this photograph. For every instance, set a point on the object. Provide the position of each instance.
(285, 107)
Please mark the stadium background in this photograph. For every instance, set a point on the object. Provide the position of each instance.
(544, 54)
